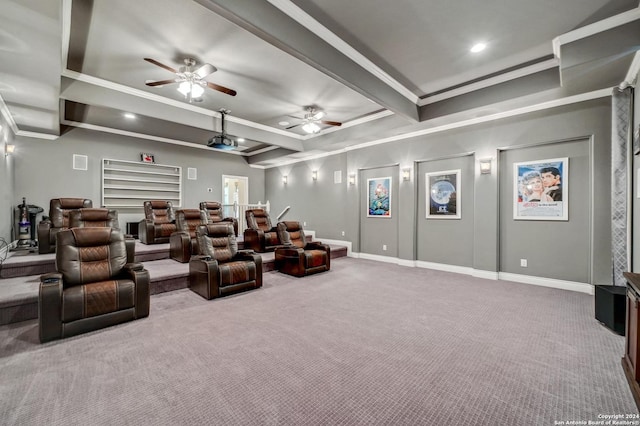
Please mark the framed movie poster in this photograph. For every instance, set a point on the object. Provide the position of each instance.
(541, 189)
(379, 197)
(443, 195)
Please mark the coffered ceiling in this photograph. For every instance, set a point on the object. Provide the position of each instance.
(381, 68)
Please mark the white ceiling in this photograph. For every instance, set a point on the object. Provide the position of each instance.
(377, 66)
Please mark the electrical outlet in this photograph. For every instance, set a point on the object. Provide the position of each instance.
(209, 189)
(523, 263)
(384, 247)
(343, 233)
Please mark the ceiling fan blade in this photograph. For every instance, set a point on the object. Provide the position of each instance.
(221, 89)
(205, 70)
(291, 127)
(159, 83)
(331, 123)
(166, 67)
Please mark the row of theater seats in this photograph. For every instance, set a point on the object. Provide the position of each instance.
(98, 284)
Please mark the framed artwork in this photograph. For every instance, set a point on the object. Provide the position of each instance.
(379, 197)
(443, 194)
(541, 189)
(147, 158)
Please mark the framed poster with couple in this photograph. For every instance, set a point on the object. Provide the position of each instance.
(541, 189)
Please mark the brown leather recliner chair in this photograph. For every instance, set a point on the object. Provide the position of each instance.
(57, 220)
(221, 268)
(299, 257)
(158, 224)
(213, 212)
(94, 286)
(101, 218)
(183, 243)
(260, 235)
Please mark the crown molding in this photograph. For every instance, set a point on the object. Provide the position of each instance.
(502, 78)
(307, 21)
(597, 94)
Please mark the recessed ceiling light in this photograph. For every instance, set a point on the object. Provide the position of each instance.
(240, 139)
(129, 115)
(284, 123)
(478, 47)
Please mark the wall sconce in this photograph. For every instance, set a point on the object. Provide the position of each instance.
(485, 166)
(352, 179)
(284, 179)
(314, 175)
(406, 175)
(9, 149)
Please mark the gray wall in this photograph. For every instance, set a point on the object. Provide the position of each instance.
(590, 119)
(43, 169)
(635, 246)
(553, 249)
(7, 197)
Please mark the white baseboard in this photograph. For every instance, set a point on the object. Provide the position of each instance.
(548, 282)
(444, 267)
(479, 273)
(335, 242)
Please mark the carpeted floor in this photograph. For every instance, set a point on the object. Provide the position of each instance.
(366, 343)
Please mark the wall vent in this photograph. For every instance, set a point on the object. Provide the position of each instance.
(192, 173)
(80, 162)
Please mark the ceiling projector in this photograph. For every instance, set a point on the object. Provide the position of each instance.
(222, 142)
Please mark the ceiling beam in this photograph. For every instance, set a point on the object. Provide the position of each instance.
(275, 27)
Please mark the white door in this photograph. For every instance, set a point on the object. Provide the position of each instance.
(235, 190)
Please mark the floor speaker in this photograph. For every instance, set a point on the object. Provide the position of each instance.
(611, 307)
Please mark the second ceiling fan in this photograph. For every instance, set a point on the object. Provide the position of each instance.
(191, 78)
(312, 120)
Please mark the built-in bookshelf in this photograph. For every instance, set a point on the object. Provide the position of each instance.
(127, 184)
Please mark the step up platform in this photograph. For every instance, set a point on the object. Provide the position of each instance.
(20, 276)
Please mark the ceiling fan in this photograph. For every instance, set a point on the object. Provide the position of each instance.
(312, 120)
(191, 78)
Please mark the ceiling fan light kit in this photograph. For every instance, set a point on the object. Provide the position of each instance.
(191, 78)
(312, 120)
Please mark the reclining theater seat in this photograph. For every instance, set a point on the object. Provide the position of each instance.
(94, 286)
(183, 243)
(158, 224)
(298, 257)
(213, 212)
(260, 235)
(97, 218)
(58, 220)
(221, 268)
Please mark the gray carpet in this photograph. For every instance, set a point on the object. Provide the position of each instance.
(366, 343)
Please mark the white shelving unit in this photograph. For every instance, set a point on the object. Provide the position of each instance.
(127, 184)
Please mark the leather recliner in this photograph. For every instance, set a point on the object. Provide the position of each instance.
(101, 218)
(221, 268)
(299, 257)
(260, 235)
(158, 224)
(94, 286)
(213, 212)
(183, 243)
(57, 220)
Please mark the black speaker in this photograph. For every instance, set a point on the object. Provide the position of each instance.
(611, 307)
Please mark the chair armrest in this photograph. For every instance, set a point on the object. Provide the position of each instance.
(141, 279)
(254, 238)
(49, 306)
(289, 251)
(44, 239)
(317, 245)
(134, 266)
(203, 276)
